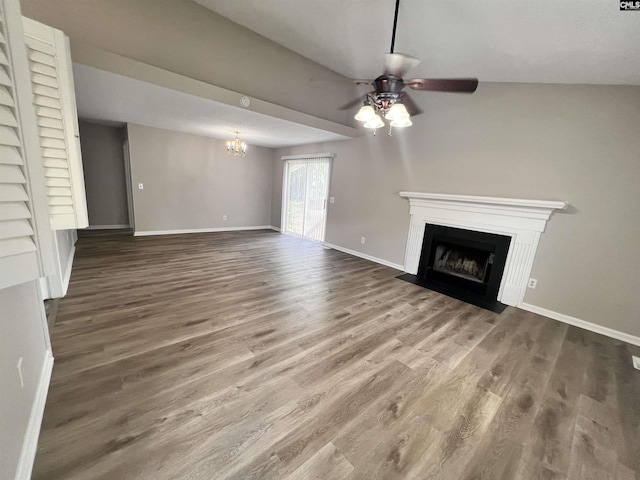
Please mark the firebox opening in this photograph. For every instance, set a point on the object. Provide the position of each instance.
(463, 264)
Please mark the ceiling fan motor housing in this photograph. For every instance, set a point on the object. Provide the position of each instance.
(388, 84)
(388, 90)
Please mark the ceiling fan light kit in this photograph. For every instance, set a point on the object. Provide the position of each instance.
(397, 111)
(365, 113)
(375, 122)
(388, 99)
(401, 122)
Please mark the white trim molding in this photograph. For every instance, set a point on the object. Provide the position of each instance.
(522, 220)
(30, 442)
(365, 256)
(199, 230)
(67, 272)
(107, 227)
(57, 284)
(309, 156)
(72, 253)
(277, 229)
(577, 322)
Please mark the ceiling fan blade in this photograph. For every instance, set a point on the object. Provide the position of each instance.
(351, 104)
(359, 81)
(355, 101)
(459, 85)
(342, 81)
(397, 64)
(410, 105)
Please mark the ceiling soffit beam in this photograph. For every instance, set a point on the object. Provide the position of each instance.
(97, 58)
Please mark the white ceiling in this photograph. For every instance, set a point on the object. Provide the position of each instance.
(108, 97)
(540, 41)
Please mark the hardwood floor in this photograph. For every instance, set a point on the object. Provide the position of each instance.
(253, 355)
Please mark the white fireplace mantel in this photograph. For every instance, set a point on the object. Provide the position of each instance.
(523, 220)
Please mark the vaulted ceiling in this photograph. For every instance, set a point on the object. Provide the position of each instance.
(538, 41)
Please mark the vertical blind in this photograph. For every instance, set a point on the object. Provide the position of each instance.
(307, 187)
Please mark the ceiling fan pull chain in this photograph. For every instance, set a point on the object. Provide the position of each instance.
(395, 22)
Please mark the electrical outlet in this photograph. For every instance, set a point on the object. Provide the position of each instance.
(224, 217)
(20, 372)
(636, 362)
(532, 283)
(140, 186)
(362, 240)
(332, 199)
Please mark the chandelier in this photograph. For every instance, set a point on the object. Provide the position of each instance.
(235, 147)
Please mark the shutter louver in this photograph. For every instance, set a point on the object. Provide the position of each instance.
(54, 102)
(18, 245)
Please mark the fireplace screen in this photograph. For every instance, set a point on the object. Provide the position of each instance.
(464, 262)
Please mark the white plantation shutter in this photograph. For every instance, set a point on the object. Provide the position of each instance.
(55, 107)
(16, 230)
(25, 248)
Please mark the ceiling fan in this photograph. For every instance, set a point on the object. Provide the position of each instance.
(389, 99)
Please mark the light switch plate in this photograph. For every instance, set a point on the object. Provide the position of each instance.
(140, 186)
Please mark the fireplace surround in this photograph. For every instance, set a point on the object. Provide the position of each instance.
(464, 264)
(520, 219)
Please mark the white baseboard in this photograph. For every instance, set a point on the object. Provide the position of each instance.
(30, 442)
(198, 230)
(66, 276)
(576, 322)
(365, 256)
(106, 227)
(43, 286)
(277, 229)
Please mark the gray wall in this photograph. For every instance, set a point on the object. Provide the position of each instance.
(104, 174)
(549, 142)
(21, 336)
(190, 182)
(186, 38)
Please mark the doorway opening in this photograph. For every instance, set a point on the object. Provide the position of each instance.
(305, 193)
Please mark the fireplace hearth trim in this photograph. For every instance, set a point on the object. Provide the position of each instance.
(523, 220)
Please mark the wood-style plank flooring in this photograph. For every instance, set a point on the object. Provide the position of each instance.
(253, 355)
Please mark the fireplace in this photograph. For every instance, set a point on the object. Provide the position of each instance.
(521, 221)
(464, 264)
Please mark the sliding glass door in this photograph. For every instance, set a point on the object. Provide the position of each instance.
(306, 186)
